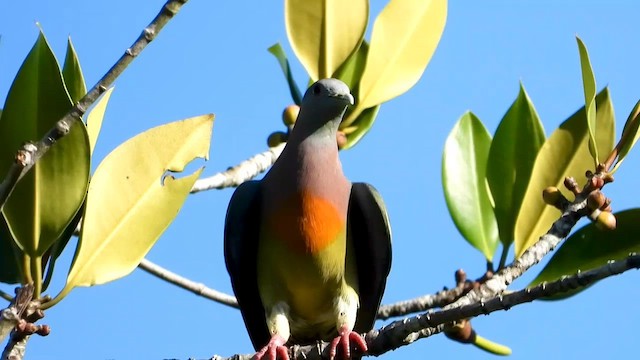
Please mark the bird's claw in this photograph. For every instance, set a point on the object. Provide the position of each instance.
(344, 340)
(274, 350)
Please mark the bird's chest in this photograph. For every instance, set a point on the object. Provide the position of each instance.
(306, 223)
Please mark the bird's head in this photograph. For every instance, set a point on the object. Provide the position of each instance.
(328, 91)
(327, 98)
(321, 110)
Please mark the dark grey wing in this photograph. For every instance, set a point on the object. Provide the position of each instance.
(241, 231)
(370, 233)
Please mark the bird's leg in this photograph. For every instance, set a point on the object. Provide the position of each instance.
(278, 323)
(275, 349)
(345, 338)
(346, 308)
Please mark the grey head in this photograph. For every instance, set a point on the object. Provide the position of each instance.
(324, 101)
(328, 89)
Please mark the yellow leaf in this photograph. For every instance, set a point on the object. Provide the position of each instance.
(95, 117)
(128, 206)
(404, 37)
(565, 153)
(324, 33)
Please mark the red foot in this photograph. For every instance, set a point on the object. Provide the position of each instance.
(344, 339)
(273, 350)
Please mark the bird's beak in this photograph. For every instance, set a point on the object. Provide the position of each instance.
(346, 96)
(352, 101)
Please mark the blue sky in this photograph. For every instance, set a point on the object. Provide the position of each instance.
(212, 58)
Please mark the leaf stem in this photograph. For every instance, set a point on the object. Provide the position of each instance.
(61, 295)
(5, 296)
(26, 260)
(36, 274)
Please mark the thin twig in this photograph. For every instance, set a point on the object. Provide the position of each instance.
(406, 331)
(74, 116)
(422, 303)
(194, 287)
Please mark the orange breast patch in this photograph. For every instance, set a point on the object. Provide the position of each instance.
(306, 223)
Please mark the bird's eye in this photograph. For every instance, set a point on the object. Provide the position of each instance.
(316, 90)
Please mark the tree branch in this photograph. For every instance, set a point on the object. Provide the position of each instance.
(406, 331)
(246, 170)
(503, 278)
(31, 153)
(189, 285)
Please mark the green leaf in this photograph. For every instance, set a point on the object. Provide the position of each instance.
(629, 135)
(128, 207)
(513, 151)
(351, 71)
(590, 247)
(565, 153)
(324, 33)
(47, 198)
(464, 162)
(51, 256)
(95, 117)
(278, 52)
(404, 38)
(10, 270)
(589, 85)
(72, 74)
(361, 126)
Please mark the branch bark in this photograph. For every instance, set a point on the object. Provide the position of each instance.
(10, 316)
(403, 332)
(11, 320)
(32, 152)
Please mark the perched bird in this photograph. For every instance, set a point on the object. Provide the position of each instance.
(307, 251)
